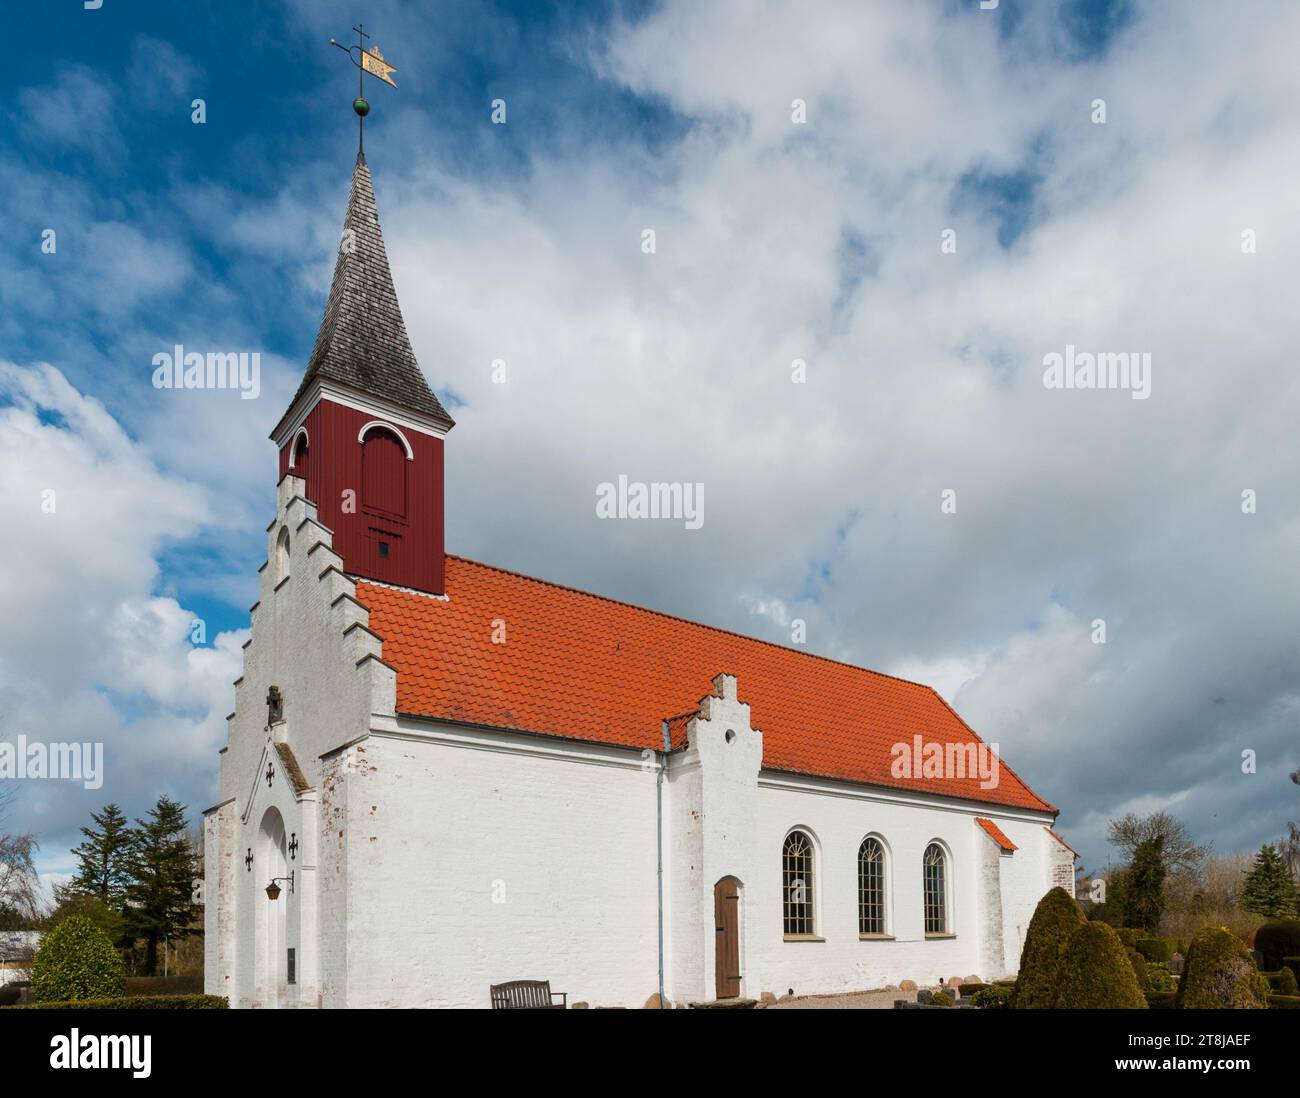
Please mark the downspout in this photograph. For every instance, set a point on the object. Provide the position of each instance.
(659, 851)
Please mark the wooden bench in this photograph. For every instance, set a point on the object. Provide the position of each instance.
(527, 995)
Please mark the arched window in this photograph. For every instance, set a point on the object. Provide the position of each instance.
(936, 890)
(383, 472)
(871, 887)
(299, 455)
(282, 554)
(797, 883)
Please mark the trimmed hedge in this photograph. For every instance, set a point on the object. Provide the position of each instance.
(134, 1002)
(1159, 950)
(164, 985)
(1130, 935)
(1284, 1002)
(1277, 941)
(1221, 974)
(1162, 1000)
(1056, 918)
(77, 961)
(1095, 973)
(1283, 982)
(992, 997)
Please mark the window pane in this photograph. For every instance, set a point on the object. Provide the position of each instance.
(871, 888)
(936, 905)
(797, 880)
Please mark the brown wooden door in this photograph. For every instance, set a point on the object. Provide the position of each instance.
(726, 946)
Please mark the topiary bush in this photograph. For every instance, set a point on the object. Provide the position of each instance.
(1055, 919)
(1131, 935)
(1278, 940)
(1160, 981)
(1095, 973)
(1286, 983)
(1139, 965)
(1284, 1002)
(1160, 950)
(992, 998)
(77, 961)
(1221, 974)
(941, 999)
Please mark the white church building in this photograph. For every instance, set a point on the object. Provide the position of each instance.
(453, 776)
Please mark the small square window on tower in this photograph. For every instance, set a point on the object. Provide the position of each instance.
(385, 552)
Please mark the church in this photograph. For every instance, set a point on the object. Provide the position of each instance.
(441, 775)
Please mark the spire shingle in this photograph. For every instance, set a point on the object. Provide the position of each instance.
(362, 342)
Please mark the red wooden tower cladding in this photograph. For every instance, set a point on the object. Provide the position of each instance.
(364, 430)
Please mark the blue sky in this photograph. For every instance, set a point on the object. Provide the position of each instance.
(776, 242)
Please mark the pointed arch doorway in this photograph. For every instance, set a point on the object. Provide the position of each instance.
(726, 945)
(270, 958)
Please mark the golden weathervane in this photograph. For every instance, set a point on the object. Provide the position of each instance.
(367, 61)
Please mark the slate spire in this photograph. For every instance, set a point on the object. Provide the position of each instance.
(362, 341)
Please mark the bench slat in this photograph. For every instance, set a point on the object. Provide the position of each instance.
(525, 995)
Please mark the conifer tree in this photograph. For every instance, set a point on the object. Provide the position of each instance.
(105, 857)
(160, 904)
(1269, 889)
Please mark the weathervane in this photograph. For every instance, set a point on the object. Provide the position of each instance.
(367, 61)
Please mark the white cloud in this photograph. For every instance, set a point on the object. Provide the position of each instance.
(75, 111)
(924, 372)
(821, 242)
(98, 657)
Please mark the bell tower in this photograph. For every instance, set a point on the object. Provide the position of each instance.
(365, 431)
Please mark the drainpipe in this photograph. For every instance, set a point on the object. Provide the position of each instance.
(659, 851)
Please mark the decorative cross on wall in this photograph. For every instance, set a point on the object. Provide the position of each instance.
(248, 860)
(270, 772)
(293, 847)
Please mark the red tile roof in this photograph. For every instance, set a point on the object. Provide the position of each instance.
(584, 667)
(996, 833)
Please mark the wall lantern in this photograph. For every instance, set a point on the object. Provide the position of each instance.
(273, 890)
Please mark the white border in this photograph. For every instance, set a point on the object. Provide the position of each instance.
(361, 435)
